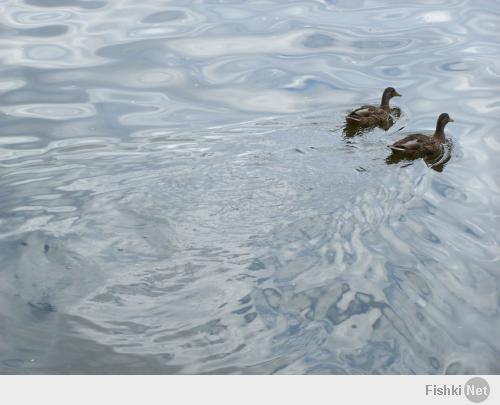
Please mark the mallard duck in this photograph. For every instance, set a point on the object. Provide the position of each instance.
(370, 115)
(419, 145)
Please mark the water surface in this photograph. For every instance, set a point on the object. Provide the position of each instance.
(178, 195)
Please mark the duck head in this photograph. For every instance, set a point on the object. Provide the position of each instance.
(389, 93)
(443, 119)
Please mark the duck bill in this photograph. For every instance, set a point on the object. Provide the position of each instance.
(396, 94)
(451, 120)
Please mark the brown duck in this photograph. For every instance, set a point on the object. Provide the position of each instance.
(369, 115)
(419, 145)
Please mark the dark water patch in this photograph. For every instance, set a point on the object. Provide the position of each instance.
(164, 16)
(85, 4)
(318, 41)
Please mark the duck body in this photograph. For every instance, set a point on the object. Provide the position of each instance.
(370, 115)
(419, 145)
(416, 145)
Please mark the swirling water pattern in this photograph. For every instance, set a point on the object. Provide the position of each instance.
(177, 196)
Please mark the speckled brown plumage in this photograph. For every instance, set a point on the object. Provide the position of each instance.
(369, 115)
(418, 145)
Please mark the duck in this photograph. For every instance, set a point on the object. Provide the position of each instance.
(420, 145)
(370, 115)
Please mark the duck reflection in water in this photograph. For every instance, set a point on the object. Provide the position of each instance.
(368, 117)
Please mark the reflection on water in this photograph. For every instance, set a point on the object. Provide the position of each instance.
(178, 195)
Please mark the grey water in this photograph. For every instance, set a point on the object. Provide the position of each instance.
(177, 194)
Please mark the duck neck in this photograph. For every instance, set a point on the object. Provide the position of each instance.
(439, 132)
(384, 104)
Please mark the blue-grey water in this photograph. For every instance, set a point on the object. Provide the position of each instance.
(177, 195)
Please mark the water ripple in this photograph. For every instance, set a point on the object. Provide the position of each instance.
(178, 196)
(51, 111)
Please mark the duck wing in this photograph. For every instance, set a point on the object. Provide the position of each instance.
(411, 143)
(363, 112)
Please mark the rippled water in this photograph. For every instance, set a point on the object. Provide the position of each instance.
(178, 196)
